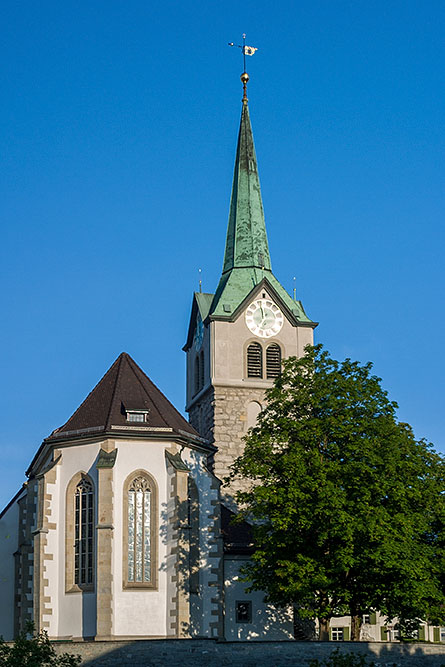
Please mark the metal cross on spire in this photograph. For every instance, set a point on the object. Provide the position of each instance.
(246, 51)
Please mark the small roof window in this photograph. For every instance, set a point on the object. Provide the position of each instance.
(137, 415)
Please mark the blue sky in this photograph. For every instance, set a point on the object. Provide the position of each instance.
(118, 128)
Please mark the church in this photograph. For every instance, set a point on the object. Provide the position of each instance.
(123, 528)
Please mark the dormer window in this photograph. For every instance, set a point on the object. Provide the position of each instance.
(137, 416)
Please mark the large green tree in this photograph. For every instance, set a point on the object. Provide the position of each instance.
(348, 507)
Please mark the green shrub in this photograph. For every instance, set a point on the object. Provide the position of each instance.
(32, 649)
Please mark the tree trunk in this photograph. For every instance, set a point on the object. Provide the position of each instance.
(296, 624)
(356, 624)
(324, 629)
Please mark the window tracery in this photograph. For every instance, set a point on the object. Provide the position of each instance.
(139, 567)
(83, 529)
(139, 510)
(80, 534)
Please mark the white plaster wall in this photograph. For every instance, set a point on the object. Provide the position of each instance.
(268, 623)
(76, 612)
(135, 612)
(171, 557)
(140, 612)
(9, 524)
(231, 338)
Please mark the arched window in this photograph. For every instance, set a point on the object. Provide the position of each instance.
(140, 531)
(197, 374)
(201, 370)
(83, 530)
(255, 361)
(273, 361)
(79, 534)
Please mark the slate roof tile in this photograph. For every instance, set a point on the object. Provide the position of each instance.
(124, 387)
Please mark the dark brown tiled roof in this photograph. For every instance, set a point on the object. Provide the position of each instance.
(123, 387)
(237, 537)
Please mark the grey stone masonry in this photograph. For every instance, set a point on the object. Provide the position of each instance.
(221, 417)
(194, 652)
(231, 426)
(24, 559)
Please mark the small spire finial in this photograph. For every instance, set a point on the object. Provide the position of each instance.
(200, 280)
(246, 51)
(244, 78)
(295, 288)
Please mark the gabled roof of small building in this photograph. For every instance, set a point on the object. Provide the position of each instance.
(124, 388)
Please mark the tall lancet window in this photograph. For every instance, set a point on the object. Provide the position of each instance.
(80, 521)
(83, 532)
(201, 370)
(197, 374)
(140, 511)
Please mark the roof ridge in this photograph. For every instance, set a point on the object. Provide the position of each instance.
(246, 239)
(87, 397)
(124, 382)
(155, 387)
(110, 407)
(131, 361)
(249, 203)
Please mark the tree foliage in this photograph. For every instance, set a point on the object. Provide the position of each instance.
(348, 507)
(31, 649)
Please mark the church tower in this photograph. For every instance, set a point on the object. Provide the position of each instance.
(238, 336)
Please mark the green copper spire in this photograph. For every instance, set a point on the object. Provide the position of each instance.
(246, 243)
(246, 259)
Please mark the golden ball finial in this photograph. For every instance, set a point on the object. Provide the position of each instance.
(244, 78)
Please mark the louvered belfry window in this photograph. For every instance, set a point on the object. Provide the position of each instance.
(255, 361)
(83, 540)
(273, 361)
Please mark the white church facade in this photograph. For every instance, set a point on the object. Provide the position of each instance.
(123, 529)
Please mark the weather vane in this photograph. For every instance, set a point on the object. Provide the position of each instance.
(247, 51)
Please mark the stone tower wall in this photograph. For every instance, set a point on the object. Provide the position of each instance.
(201, 415)
(221, 416)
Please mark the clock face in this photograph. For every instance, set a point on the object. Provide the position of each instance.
(199, 332)
(264, 318)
